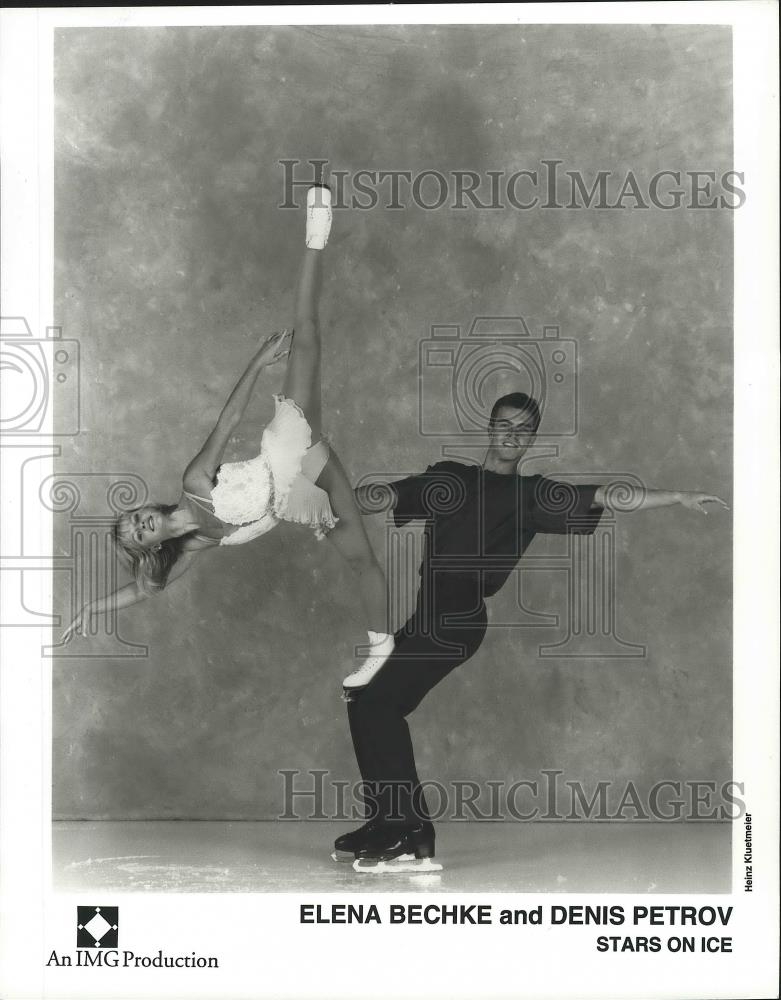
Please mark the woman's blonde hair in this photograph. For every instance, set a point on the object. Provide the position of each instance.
(150, 566)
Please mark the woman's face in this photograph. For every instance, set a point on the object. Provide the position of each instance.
(147, 526)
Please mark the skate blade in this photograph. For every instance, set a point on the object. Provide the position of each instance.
(404, 863)
(343, 856)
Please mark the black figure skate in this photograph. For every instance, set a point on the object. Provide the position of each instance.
(398, 848)
(347, 846)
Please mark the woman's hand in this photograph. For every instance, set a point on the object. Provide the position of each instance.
(207, 461)
(275, 348)
(77, 625)
(697, 501)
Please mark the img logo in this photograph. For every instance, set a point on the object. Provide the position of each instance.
(97, 926)
(97, 940)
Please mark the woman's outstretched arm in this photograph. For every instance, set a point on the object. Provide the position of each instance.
(123, 597)
(207, 461)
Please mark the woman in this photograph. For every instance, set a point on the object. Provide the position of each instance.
(296, 477)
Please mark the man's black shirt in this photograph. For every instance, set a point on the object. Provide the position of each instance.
(479, 523)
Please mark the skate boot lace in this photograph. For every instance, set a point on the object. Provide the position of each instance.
(366, 671)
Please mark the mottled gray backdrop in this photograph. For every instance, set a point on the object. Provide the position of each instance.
(172, 259)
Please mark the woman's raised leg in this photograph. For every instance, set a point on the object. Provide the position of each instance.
(302, 378)
(302, 384)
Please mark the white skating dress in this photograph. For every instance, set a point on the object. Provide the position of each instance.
(278, 484)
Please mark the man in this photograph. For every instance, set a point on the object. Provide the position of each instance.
(479, 520)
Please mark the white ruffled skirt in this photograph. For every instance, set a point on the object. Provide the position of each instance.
(278, 484)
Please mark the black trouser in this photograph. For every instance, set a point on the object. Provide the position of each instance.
(442, 634)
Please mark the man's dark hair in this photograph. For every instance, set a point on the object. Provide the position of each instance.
(519, 401)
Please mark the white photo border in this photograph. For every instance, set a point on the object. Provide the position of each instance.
(263, 949)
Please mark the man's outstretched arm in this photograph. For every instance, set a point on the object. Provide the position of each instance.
(625, 497)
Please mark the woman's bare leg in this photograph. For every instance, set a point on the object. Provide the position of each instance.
(302, 379)
(351, 541)
(302, 384)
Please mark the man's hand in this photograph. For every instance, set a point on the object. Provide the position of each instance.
(697, 501)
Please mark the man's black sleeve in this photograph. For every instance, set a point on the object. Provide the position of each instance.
(562, 508)
(416, 495)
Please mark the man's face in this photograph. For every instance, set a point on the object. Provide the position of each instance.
(512, 432)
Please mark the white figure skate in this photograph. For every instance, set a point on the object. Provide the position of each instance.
(318, 217)
(381, 649)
